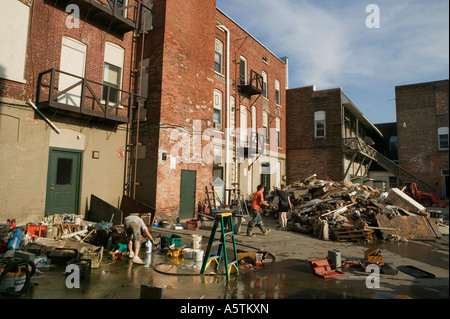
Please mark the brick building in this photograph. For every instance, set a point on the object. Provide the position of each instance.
(327, 135)
(73, 60)
(422, 129)
(200, 70)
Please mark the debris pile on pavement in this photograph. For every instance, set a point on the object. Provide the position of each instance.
(344, 211)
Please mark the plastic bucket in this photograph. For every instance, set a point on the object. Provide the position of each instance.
(188, 253)
(196, 242)
(198, 255)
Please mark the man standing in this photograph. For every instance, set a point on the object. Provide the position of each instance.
(257, 201)
(134, 224)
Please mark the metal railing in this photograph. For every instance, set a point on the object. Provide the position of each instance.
(65, 91)
(356, 144)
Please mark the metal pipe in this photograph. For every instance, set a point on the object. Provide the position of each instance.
(46, 119)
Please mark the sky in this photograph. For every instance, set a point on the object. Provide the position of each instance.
(364, 49)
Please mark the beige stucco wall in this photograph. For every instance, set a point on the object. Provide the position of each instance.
(24, 152)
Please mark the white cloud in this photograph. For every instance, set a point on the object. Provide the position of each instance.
(328, 44)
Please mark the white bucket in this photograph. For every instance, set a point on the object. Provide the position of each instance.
(198, 255)
(196, 242)
(188, 253)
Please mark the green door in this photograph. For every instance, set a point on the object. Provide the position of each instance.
(187, 194)
(265, 178)
(63, 182)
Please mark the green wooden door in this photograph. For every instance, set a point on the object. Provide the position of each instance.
(187, 194)
(63, 182)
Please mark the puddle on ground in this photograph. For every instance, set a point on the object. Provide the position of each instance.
(286, 279)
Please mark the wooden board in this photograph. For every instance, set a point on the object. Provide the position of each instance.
(409, 227)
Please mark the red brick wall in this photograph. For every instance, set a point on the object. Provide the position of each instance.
(423, 108)
(307, 155)
(181, 52)
(241, 44)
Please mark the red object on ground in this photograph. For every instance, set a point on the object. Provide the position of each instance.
(324, 268)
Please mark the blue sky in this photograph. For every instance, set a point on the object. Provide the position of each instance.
(329, 45)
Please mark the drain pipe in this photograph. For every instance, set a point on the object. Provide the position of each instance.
(46, 119)
(227, 94)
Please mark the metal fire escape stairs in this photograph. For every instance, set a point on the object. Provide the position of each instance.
(357, 146)
(133, 142)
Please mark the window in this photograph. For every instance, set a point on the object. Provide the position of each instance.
(253, 119)
(64, 171)
(119, 6)
(278, 130)
(277, 92)
(111, 79)
(319, 124)
(112, 72)
(266, 126)
(393, 143)
(218, 57)
(264, 76)
(443, 138)
(232, 116)
(243, 124)
(243, 71)
(14, 16)
(217, 110)
(148, 15)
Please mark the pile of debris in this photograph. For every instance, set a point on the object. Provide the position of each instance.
(344, 211)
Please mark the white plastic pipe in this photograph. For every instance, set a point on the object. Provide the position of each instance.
(46, 119)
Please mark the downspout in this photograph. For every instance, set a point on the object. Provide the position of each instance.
(228, 112)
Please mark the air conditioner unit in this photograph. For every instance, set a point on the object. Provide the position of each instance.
(218, 126)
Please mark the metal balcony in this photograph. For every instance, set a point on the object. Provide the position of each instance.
(75, 96)
(253, 87)
(115, 14)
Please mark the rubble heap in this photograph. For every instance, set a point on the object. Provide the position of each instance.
(344, 211)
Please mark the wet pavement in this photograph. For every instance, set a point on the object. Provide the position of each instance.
(286, 273)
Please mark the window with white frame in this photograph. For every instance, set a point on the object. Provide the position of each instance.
(266, 126)
(112, 72)
(254, 129)
(14, 16)
(278, 130)
(319, 124)
(243, 71)
(264, 88)
(218, 110)
(218, 57)
(277, 93)
(232, 116)
(443, 138)
(243, 126)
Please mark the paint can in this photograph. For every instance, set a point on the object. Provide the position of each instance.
(188, 253)
(258, 259)
(198, 255)
(196, 242)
